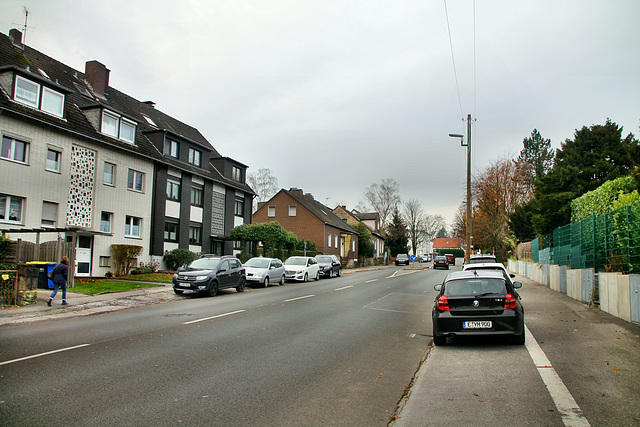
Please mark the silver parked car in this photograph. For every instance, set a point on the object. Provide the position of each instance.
(262, 271)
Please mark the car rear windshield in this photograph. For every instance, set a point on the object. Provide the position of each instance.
(474, 287)
(205, 263)
(257, 263)
(481, 260)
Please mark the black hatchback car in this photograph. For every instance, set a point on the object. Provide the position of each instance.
(477, 303)
(209, 274)
(440, 262)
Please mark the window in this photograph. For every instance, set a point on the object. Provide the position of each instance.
(236, 174)
(40, 97)
(110, 124)
(173, 190)
(292, 210)
(271, 211)
(118, 127)
(27, 92)
(105, 222)
(237, 245)
(196, 196)
(329, 244)
(195, 235)
(170, 232)
(49, 214)
(11, 208)
(52, 102)
(53, 160)
(194, 157)
(135, 180)
(14, 149)
(171, 148)
(105, 261)
(127, 130)
(239, 207)
(109, 177)
(132, 226)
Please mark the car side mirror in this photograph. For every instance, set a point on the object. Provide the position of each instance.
(513, 276)
(517, 285)
(438, 287)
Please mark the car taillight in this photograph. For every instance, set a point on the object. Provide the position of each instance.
(509, 302)
(443, 303)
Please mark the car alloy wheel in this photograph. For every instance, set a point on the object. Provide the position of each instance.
(282, 280)
(306, 277)
(266, 282)
(240, 287)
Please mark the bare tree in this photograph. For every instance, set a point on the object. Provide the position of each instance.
(414, 217)
(384, 199)
(264, 184)
(432, 224)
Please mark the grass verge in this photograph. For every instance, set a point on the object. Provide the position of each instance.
(126, 283)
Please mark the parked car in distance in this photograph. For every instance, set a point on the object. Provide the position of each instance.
(329, 265)
(481, 258)
(440, 262)
(402, 259)
(451, 258)
(477, 303)
(301, 268)
(494, 266)
(263, 271)
(209, 274)
(424, 258)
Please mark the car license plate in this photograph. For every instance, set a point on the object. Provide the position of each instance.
(485, 324)
(184, 285)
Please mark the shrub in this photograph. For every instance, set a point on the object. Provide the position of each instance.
(108, 274)
(153, 265)
(178, 257)
(4, 246)
(124, 257)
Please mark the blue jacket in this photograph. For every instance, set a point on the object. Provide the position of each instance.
(60, 273)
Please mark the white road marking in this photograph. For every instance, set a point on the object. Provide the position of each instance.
(565, 403)
(343, 288)
(299, 298)
(44, 354)
(214, 317)
(372, 280)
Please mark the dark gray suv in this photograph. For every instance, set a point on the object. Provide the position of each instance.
(209, 274)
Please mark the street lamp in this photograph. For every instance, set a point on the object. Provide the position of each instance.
(469, 219)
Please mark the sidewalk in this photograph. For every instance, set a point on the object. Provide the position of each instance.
(85, 305)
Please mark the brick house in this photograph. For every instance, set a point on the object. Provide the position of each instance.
(371, 220)
(309, 219)
(441, 244)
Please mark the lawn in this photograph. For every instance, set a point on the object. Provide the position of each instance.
(125, 283)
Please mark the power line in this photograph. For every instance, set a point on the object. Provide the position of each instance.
(453, 59)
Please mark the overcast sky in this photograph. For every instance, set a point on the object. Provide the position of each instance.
(335, 95)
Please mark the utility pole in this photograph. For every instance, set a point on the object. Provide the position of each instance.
(469, 210)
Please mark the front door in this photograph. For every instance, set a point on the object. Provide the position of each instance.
(83, 255)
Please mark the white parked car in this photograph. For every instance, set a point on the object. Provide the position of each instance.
(301, 268)
(263, 271)
(496, 266)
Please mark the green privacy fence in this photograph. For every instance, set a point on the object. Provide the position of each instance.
(610, 242)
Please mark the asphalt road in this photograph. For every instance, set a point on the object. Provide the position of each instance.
(337, 351)
(342, 351)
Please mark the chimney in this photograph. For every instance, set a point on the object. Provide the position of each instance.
(308, 196)
(296, 191)
(16, 37)
(98, 77)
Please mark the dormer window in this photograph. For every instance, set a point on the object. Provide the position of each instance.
(195, 157)
(39, 97)
(118, 127)
(170, 148)
(236, 174)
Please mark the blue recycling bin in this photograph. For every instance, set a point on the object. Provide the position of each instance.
(43, 275)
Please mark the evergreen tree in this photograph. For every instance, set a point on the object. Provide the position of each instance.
(595, 155)
(537, 153)
(397, 239)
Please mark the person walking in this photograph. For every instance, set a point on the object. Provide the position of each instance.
(60, 272)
